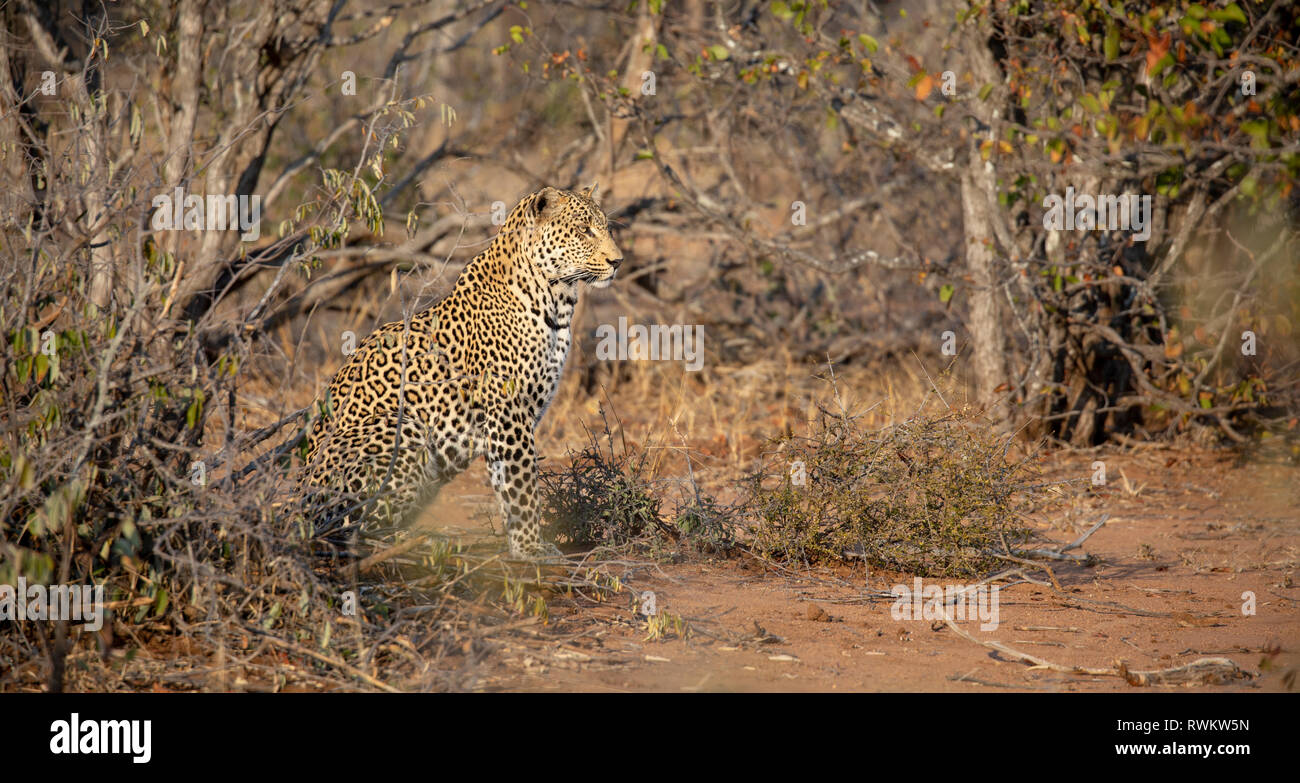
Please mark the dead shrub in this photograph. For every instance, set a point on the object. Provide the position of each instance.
(603, 497)
(933, 496)
(707, 524)
(607, 497)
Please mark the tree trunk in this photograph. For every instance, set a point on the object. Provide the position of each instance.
(978, 187)
(987, 337)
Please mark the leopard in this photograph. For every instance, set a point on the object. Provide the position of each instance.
(472, 375)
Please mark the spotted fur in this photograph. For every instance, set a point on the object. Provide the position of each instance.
(472, 375)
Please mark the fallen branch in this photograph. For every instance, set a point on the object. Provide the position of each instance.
(393, 551)
(1060, 552)
(1202, 671)
(340, 665)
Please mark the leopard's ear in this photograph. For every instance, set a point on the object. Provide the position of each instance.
(591, 191)
(545, 202)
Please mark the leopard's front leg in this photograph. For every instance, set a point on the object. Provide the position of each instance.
(512, 464)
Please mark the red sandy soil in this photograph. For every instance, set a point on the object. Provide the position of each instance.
(1188, 534)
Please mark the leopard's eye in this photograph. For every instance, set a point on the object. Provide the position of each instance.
(590, 231)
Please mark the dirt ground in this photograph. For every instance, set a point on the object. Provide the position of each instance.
(1188, 533)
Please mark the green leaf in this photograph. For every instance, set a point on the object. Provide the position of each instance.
(1220, 41)
(718, 52)
(869, 42)
(26, 474)
(1258, 132)
(1161, 65)
(272, 616)
(194, 413)
(782, 11)
(945, 292)
(1232, 13)
(1111, 46)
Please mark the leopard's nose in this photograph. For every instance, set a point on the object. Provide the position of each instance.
(614, 262)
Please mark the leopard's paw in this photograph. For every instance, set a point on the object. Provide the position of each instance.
(542, 552)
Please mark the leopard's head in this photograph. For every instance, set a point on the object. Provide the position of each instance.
(566, 235)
